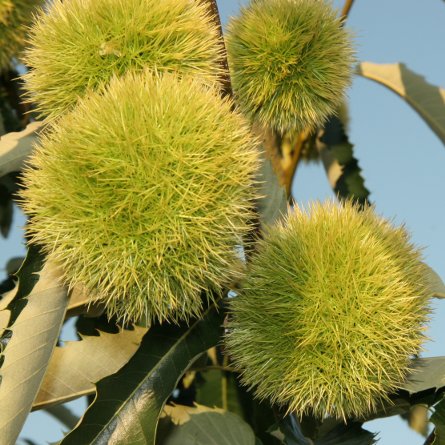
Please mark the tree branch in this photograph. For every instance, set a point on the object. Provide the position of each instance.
(346, 9)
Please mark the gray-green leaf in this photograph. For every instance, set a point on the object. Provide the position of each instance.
(428, 100)
(32, 322)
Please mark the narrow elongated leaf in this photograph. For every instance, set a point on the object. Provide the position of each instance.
(272, 204)
(428, 100)
(36, 315)
(16, 147)
(438, 418)
(76, 367)
(349, 434)
(428, 374)
(436, 285)
(342, 168)
(212, 428)
(128, 403)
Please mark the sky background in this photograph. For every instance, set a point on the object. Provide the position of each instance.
(403, 162)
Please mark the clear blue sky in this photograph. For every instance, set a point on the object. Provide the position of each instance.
(402, 160)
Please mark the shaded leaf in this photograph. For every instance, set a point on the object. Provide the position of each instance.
(273, 202)
(16, 147)
(81, 303)
(63, 414)
(427, 374)
(35, 317)
(210, 388)
(211, 428)
(342, 168)
(291, 433)
(258, 414)
(428, 100)
(180, 414)
(128, 403)
(438, 418)
(436, 285)
(417, 418)
(6, 211)
(76, 367)
(348, 434)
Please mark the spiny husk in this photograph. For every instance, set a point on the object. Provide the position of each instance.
(15, 17)
(80, 44)
(291, 62)
(143, 194)
(333, 306)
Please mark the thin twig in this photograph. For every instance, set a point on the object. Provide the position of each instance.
(346, 9)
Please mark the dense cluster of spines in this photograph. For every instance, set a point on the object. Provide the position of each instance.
(143, 194)
(290, 61)
(332, 309)
(79, 45)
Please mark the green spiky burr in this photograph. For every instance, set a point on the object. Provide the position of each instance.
(331, 311)
(78, 45)
(15, 17)
(290, 61)
(143, 194)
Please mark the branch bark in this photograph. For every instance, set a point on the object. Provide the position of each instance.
(346, 9)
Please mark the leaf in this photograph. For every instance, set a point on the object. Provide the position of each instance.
(36, 315)
(209, 390)
(417, 418)
(128, 403)
(438, 418)
(16, 147)
(211, 428)
(76, 367)
(436, 285)
(6, 211)
(291, 432)
(180, 414)
(342, 168)
(347, 434)
(81, 303)
(273, 202)
(428, 100)
(258, 414)
(427, 374)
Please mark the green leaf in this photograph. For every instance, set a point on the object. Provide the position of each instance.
(272, 204)
(211, 428)
(8, 188)
(210, 388)
(33, 320)
(438, 418)
(76, 367)
(428, 100)
(347, 434)
(436, 285)
(16, 147)
(258, 414)
(342, 168)
(128, 403)
(427, 374)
